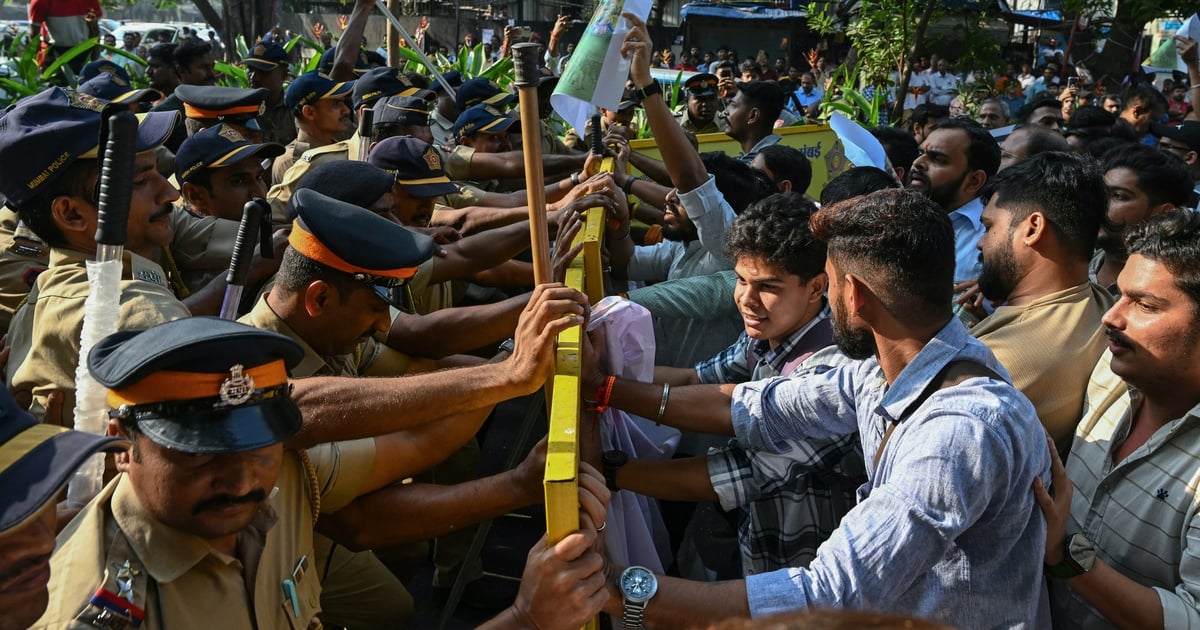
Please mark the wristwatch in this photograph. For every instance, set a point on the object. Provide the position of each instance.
(508, 345)
(638, 585)
(1078, 557)
(610, 461)
(647, 91)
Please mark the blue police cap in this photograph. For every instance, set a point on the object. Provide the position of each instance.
(311, 87)
(218, 146)
(41, 135)
(453, 77)
(416, 164)
(37, 460)
(114, 89)
(403, 110)
(350, 181)
(102, 66)
(325, 63)
(483, 119)
(382, 254)
(377, 83)
(214, 102)
(201, 384)
(482, 90)
(267, 55)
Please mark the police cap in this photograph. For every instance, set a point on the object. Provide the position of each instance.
(482, 90)
(214, 102)
(416, 164)
(483, 119)
(382, 254)
(218, 146)
(114, 89)
(403, 110)
(325, 63)
(311, 87)
(377, 83)
(201, 384)
(703, 84)
(102, 66)
(267, 56)
(350, 181)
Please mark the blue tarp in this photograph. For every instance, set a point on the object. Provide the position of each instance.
(1046, 18)
(739, 11)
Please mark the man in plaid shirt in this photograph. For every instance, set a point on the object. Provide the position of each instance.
(788, 503)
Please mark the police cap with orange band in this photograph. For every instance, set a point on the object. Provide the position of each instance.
(201, 384)
(241, 106)
(355, 241)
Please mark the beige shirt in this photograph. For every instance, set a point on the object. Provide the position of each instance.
(44, 333)
(1049, 347)
(193, 585)
(22, 256)
(282, 191)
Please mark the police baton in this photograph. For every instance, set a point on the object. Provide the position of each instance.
(404, 33)
(255, 226)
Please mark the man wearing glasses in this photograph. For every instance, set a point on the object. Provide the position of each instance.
(1182, 141)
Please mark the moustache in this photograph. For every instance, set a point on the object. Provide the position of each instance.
(166, 209)
(16, 570)
(223, 501)
(1118, 338)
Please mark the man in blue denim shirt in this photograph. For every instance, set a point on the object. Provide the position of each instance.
(946, 528)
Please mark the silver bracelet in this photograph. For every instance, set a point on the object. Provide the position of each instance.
(662, 406)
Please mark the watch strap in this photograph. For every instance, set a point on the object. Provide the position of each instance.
(646, 91)
(1069, 567)
(631, 617)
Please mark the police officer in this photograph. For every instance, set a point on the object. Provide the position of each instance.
(267, 67)
(207, 105)
(218, 170)
(445, 110)
(36, 462)
(401, 116)
(703, 105)
(319, 112)
(52, 186)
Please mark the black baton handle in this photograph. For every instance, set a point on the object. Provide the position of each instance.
(597, 138)
(247, 237)
(116, 178)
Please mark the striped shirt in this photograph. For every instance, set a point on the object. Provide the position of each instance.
(1141, 513)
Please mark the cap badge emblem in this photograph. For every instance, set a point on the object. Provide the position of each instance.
(231, 134)
(238, 388)
(260, 50)
(432, 160)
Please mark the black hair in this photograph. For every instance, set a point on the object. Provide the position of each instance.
(767, 96)
(901, 243)
(1145, 95)
(857, 181)
(162, 52)
(189, 51)
(297, 271)
(1067, 188)
(899, 145)
(790, 164)
(1163, 177)
(383, 131)
(77, 180)
(1042, 139)
(983, 152)
(1097, 149)
(776, 229)
(1042, 101)
(736, 181)
(1172, 239)
(925, 111)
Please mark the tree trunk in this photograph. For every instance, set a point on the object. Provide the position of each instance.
(918, 42)
(1117, 58)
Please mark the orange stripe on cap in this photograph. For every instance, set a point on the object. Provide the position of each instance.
(172, 385)
(311, 247)
(191, 111)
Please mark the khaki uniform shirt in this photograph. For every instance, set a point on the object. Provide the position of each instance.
(427, 297)
(282, 191)
(716, 125)
(182, 582)
(22, 256)
(1060, 335)
(44, 333)
(442, 129)
(291, 152)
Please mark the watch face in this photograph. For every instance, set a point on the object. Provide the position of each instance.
(1082, 551)
(638, 584)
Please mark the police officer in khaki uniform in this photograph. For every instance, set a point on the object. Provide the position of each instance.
(320, 114)
(36, 462)
(53, 189)
(445, 109)
(373, 85)
(702, 113)
(267, 68)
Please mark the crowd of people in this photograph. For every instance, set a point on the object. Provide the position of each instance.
(955, 390)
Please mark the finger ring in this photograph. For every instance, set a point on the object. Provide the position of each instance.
(602, 526)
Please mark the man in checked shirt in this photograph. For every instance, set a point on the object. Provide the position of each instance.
(790, 503)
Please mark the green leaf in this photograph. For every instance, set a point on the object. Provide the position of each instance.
(121, 52)
(676, 88)
(476, 60)
(78, 49)
(13, 86)
(501, 72)
(232, 76)
(242, 50)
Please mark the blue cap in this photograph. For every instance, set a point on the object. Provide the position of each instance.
(367, 247)
(416, 164)
(218, 146)
(41, 135)
(481, 90)
(311, 87)
(403, 110)
(350, 181)
(114, 89)
(267, 55)
(201, 384)
(380, 82)
(102, 66)
(482, 119)
(325, 63)
(453, 77)
(37, 460)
